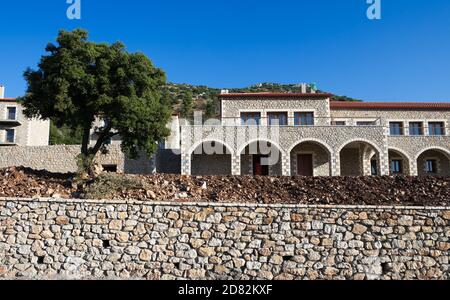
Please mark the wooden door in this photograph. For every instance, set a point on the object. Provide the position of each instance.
(305, 165)
(258, 168)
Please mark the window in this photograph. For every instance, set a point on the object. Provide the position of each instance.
(436, 128)
(110, 168)
(431, 166)
(12, 113)
(10, 136)
(304, 119)
(339, 123)
(415, 128)
(277, 118)
(251, 118)
(374, 167)
(396, 128)
(396, 167)
(366, 123)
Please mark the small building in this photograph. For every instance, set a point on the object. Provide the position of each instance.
(18, 130)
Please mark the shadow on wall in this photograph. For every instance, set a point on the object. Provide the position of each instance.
(167, 162)
(143, 165)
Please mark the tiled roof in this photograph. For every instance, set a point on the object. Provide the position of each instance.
(275, 95)
(7, 100)
(388, 105)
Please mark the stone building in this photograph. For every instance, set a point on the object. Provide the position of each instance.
(18, 130)
(287, 134)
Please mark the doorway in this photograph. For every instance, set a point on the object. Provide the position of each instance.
(305, 165)
(260, 169)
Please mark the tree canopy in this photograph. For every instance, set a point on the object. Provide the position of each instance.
(79, 82)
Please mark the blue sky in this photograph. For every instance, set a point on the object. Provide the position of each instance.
(235, 43)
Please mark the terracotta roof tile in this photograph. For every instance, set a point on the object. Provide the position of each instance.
(388, 105)
(275, 95)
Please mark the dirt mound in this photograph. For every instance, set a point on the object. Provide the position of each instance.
(429, 191)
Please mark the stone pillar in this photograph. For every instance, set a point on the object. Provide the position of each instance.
(335, 164)
(185, 164)
(236, 165)
(384, 163)
(286, 164)
(413, 168)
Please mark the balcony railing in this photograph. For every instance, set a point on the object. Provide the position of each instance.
(10, 122)
(286, 122)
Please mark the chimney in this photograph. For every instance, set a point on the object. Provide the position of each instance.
(224, 92)
(2, 92)
(303, 88)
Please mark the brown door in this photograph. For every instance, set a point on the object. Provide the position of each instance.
(305, 165)
(258, 168)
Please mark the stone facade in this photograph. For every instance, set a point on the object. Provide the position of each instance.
(62, 159)
(27, 132)
(79, 239)
(360, 146)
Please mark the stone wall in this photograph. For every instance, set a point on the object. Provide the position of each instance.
(111, 239)
(62, 159)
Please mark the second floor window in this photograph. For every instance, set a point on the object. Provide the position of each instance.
(304, 119)
(251, 118)
(366, 123)
(339, 123)
(396, 128)
(11, 113)
(10, 136)
(436, 128)
(415, 128)
(277, 118)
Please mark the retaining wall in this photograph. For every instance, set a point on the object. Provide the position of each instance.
(115, 239)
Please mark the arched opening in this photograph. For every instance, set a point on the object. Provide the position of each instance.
(261, 158)
(434, 162)
(211, 158)
(360, 158)
(398, 163)
(310, 158)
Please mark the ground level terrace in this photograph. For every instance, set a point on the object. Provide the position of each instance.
(319, 151)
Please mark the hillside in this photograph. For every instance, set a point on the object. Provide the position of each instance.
(205, 99)
(204, 95)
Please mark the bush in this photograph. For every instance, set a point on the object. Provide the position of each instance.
(109, 184)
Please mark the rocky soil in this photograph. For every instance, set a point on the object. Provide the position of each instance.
(427, 191)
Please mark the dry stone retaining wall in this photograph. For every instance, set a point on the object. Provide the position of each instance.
(111, 239)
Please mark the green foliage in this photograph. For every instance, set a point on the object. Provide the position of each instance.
(109, 184)
(79, 82)
(64, 135)
(187, 104)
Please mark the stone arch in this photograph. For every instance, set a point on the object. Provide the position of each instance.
(360, 157)
(202, 142)
(398, 154)
(433, 161)
(216, 159)
(256, 159)
(311, 157)
(242, 148)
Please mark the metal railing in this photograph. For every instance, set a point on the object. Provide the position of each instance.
(286, 122)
